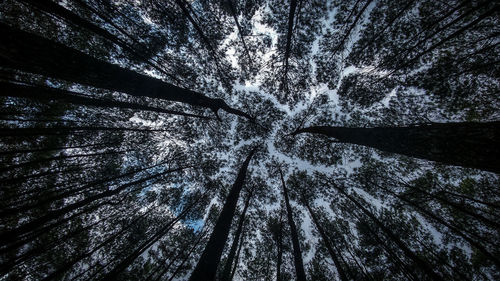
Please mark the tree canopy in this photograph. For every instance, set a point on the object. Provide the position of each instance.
(249, 140)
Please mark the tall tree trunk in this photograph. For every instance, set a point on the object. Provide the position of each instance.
(291, 16)
(466, 144)
(53, 59)
(235, 266)
(13, 234)
(297, 255)
(279, 246)
(422, 264)
(48, 93)
(206, 268)
(226, 272)
(326, 240)
(115, 272)
(351, 27)
(53, 8)
(232, 9)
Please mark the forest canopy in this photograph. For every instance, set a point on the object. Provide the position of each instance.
(249, 140)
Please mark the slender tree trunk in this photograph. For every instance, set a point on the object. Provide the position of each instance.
(53, 8)
(279, 246)
(462, 233)
(422, 264)
(47, 93)
(326, 240)
(53, 59)
(206, 268)
(291, 16)
(62, 131)
(115, 272)
(297, 254)
(232, 9)
(351, 27)
(226, 272)
(466, 144)
(13, 234)
(70, 192)
(235, 266)
(46, 149)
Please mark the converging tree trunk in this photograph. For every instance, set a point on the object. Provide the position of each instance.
(466, 144)
(327, 242)
(210, 258)
(45, 57)
(226, 272)
(297, 254)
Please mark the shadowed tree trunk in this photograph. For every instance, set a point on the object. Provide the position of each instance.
(206, 268)
(326, 240)
(291, 16)
(226, 272)
(47, 93)
(297, 255)
(53, 59)
(466, 144)
(422, 264)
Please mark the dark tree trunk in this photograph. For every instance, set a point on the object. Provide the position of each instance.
(467, 144)
(351, 27)
(232, 9)
(53, 8)
(455, 229)
(53, 59)
(62, 195)
(291, 16)
(206, 268)
(47, 93)
(240, 246)
(226, 272)
(115, 272)
(448, 38)
(422, 264)
(61, 131)
(13, 234)
(326, 240)
(297, 254)
(279, 246)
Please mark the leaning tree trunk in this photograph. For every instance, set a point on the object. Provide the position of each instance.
(421, 263)
(297, 255)
(49, 94)
(327, 242)
(206, 268)
(466, 144)
(53, 59)
(226, 272)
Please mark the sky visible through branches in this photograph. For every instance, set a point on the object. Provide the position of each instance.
(249, 140)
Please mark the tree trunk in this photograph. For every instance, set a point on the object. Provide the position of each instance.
(206, 268)
(53, 59)
(326, 240)
(47, 93)
(422, 264)
(226, 272)
(297, 255)
(466, 144)
(279, 245)
(13, 234)
(115, 272)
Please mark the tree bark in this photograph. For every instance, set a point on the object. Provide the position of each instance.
(53, 59)
(466, 144)
(206, 268)
(297, 254)
(47, 93)
(422, 264)
(226, 272)
(326, 240)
